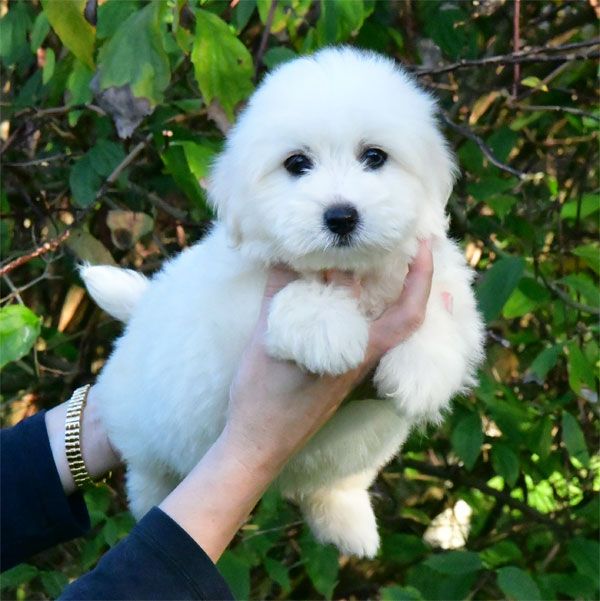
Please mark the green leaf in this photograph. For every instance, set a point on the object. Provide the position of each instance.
(467, 438)
(581, 373)
(70, 25)
(497, 285)
(544, 362)
(135, 56)
(84, 182)
(78, 89)
(573, 439)
(236, 572)
(321, 563)
(19, 329)
(278, 573)
(585, 555)
(222, 64)
(89, 172)
(280, 16)
(54, 582)
(339, 20)
(18, 575)
(572, 584)
(526, 297)
(518, 585)
(590, 204)
(199, 158)
(534, 82)
(277, 56)
(176, 163)
(501, 553)
(40, 30)
(403, 548)
(505, 463)
(590, 253)
(582, 283)
(501, 204)
(13, 33)
(400, 593)
(112, 14)
(454, 562)
(49, 64)
(106, 156)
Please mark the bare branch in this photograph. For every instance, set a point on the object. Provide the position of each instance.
(264, 38)
(486, 150)
(555, 108)
(49, 246)
(539, 54)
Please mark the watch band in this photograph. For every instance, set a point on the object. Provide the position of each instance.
(73, 436)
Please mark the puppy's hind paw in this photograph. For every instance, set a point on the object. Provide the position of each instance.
(319, 327)
(345, 518)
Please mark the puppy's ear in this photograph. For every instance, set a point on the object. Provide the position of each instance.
(439, 180)
(222, 194)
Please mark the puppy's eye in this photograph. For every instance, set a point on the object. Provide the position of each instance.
(373, 158)
(298, 164)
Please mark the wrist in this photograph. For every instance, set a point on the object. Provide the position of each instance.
(259, 456)
(98, 455)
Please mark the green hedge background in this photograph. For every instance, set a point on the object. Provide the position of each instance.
(517, 82)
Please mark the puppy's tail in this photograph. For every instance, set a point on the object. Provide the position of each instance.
(115, 290)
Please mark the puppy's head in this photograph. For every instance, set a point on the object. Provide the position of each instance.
(336, 160)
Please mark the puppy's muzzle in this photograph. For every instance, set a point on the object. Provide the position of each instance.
(341, 219)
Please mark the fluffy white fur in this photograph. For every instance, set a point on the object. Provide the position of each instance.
(165, 387)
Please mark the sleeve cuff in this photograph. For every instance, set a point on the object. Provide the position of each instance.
(183, 554)
(36, 512)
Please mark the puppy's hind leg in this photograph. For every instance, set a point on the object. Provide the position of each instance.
(147, 487)
(342, 515)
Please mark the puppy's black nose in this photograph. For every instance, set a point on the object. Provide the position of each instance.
(341, 219)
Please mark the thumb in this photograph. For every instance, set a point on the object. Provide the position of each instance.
(279, 277)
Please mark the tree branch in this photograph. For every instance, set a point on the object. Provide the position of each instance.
(486, 150)
(539, 54)
(49, 246)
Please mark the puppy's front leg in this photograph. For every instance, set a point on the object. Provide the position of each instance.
(318, 326)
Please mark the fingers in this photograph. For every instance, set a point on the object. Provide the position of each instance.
(278, 278)
(346, 279)
(404, 316)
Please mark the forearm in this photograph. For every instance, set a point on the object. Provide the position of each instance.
(218, 495)
(98, 455)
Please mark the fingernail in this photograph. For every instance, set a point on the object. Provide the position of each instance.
(427, 243)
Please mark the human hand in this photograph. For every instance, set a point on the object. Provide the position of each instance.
(275, 406)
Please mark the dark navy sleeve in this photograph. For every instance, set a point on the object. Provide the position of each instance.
(35, 513)
(158, 560)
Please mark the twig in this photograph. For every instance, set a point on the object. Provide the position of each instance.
(264, 38)
(14, 290)
(40, 161)
(41, 250)
(516, 45)
(159, 203)
(555, 108)
(538, 54)
(112, 178)
(486, 150)
(458, 476)
(57, 110)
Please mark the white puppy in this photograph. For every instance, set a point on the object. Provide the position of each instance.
(337, 162)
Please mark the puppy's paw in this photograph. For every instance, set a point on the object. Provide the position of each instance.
(319, 327)
(345, 518)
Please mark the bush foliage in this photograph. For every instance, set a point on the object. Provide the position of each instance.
(111, 115)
